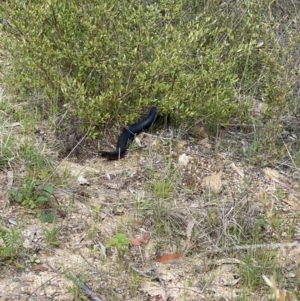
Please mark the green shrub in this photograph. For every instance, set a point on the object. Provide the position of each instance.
(105, 60)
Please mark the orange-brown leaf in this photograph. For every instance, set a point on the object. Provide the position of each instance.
(135, 242)
(41, 268)
(168, 258)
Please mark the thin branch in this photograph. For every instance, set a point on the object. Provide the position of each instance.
(252, 247)
(69, 154)
(84, 287)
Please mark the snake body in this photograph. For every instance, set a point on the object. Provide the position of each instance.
(128, 134)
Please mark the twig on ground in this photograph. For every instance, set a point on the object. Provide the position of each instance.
(84, 287)
(69, 154)
(252, 247)
(154, 268)
(41, 286)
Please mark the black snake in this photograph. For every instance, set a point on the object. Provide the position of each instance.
(128, 134)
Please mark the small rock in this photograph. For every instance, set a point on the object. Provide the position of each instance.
(199, 131)
(155, 145)
(83, 181)
(213, 182)
(183, 160)
(205, 142)
(181, 144)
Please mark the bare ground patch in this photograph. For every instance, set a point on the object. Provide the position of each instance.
(227, 237)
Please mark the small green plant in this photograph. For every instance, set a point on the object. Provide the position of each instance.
(165, 185)
(48, 217)
(120, 241)
(51, 235)
(163, 188)
(3, 162)
(78, 285)
(28, 195)
(36, 163)
(12, 243)
(32, 259)
(96, 211)
(256, 264)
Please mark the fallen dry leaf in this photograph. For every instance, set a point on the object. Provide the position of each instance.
(199, 130)
(10, 179)
(189, 228)
(40, 268)
(205, 142)
(291, 203)
(213, 182)
(14, 124)
(237, 170)
(230, 282)
(102, 250)
(272, 173)
(145, 236)
(181, 144)
(168, 258)
(135, 242)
